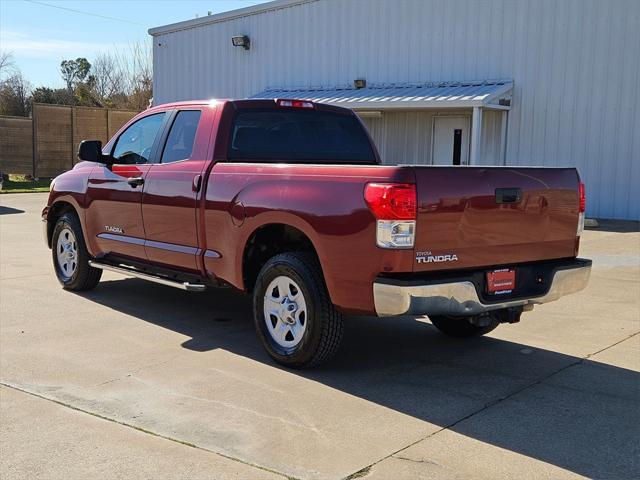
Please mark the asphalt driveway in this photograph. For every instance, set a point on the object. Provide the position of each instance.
(140, 380)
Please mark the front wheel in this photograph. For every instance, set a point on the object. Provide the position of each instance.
(70, 256)
(464, 327)
(294, 317)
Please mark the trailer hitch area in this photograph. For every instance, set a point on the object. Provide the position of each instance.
(505, 315)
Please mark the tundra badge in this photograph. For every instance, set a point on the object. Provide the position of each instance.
(111, 229)
(426, 257)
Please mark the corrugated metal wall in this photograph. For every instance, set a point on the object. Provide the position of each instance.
(405, 137)
(402, 137)
(490, 153)
(575, 64)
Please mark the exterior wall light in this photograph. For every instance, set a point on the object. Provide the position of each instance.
(369, 113)
(241, 41)
(360, 83)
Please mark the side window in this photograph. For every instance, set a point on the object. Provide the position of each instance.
(181, 137)
(134, 144)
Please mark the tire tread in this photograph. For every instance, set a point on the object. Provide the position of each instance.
(87, 277)
(331, 319)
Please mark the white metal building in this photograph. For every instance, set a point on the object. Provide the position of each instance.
(481, 82)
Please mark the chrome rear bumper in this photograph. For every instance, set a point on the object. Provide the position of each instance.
(460, 298)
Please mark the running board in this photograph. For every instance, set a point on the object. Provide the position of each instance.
(190, 287)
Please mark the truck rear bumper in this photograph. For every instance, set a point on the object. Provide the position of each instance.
(460, 297)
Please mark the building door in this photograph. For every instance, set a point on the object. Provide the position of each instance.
(450, 140)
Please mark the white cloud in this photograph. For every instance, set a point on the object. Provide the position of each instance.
(25, 45)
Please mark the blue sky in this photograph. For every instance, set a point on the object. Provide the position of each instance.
(41, 36)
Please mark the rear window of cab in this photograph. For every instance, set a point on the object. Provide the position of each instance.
(299, 135)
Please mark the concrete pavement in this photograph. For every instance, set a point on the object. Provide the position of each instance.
(43, 439)
(556, 396)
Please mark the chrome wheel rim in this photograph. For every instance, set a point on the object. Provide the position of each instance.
(67, 253)
(285, 312)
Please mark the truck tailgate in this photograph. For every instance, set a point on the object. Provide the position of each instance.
(489, 216)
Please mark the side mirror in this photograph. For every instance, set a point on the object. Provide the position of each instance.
(91, 151)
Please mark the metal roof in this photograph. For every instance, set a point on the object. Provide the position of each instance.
(226, 16)
(402, 96)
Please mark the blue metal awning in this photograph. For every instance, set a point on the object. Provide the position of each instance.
(401, 96)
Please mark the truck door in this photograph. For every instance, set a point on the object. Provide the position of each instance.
(114, 193)
(172, 188)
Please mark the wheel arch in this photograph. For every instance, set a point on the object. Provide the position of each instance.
(268, 240)
(56, 210)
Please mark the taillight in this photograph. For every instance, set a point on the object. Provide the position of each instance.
(293, 103)
(391, 201)
(582, 206)
(394, 206)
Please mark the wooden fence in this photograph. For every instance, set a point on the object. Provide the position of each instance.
(16, 145)
(46, 144)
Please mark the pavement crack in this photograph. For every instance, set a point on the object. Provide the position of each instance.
(360, 473)
(588, 356)
(138, 370)
(143, 430)
(577, 361)
(422, 460)
(20, 277)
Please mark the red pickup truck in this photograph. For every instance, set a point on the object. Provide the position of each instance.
(287, 199)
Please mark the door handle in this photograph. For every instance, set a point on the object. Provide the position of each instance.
(135, 181)
(197, 181)
(508, 195)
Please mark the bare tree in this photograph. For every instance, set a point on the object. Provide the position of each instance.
(137, 68)
(14, 96)
(107, 79)
(7, 64)
(122, 79)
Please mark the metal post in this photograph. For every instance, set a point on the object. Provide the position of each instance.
(108, 124)
(476, 136)
(73, 133)
(34, 139)
(503, 137)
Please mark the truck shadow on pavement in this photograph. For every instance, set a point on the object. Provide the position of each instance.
(577, 414)
(616, 226)
(9, 210)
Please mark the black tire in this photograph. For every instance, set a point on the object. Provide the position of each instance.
(461, 327)
(84, 277)
(323, 331)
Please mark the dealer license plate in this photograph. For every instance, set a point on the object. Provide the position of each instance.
(501, 281)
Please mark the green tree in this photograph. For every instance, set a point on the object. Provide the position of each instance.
(84, 95)
(57, 96)
(74, 72)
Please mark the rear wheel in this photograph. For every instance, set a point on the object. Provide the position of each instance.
(70, 256)
(464, 327)
(294, 317)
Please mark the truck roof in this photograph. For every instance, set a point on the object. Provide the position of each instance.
(211, 101)
(247, 103)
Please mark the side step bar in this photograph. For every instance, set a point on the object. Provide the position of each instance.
(190, 287)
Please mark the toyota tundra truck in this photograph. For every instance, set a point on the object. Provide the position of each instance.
(288, 200)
